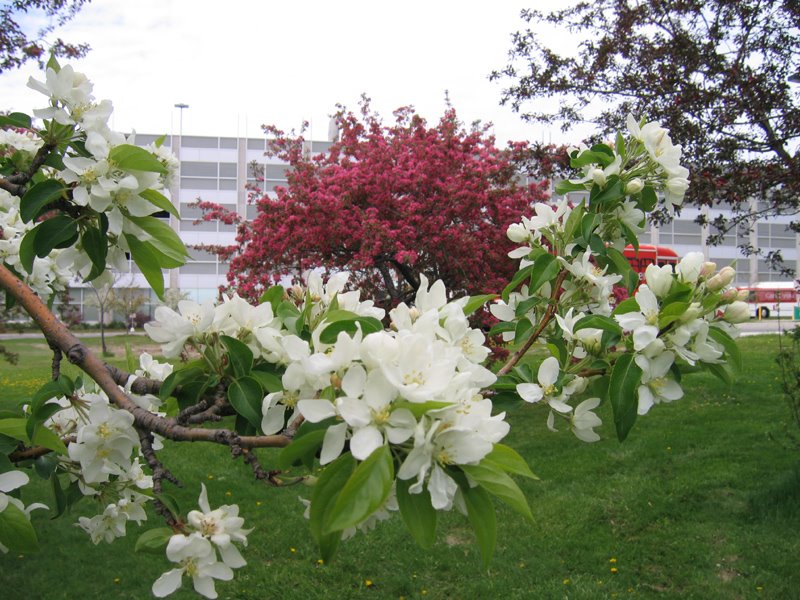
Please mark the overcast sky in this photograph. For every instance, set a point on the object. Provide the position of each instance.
(239, 64)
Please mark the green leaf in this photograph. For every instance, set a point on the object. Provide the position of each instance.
(418, 514)
(164, 239)
(365, 491)
(17, 429)
(133, 158)
(475, 302)
(301, 448)
(622, 390)
(148, 264)
(574, 220)
(671, 313)
(366, 324)
(510, 461)
(527, 304)
(520, 276)
(589, 223)
(170, 503)
(274, 296)
(245, 395)
(545, 269)
(729, 344)
(720, 372)
(38, 196)
(590, 157)
(598, 322)
(16, 531)
(649, 198)
(619, 144)
(326, 491)
(153, 541)
(159, 200)
(95, 244)
(480, 512)
(494, 480)
(58, 495)
(564, 187)
(47, 235)
(611, 192)
(269, 381)
(621, 265)
(502, 327)
(626, 306)
(523, 329)
(240, 355)
(177, 378)
(15, 119)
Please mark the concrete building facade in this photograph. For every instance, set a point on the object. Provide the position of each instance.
(218, 169)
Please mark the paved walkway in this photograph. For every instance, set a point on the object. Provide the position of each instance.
(79, 334)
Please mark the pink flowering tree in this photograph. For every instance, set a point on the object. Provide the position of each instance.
(388, 204)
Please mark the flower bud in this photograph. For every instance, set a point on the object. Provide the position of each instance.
(413, 313)
(744, 295)
(634, 186)
(721, 280)
(659, 279)
(517, 233)
(729, 296)
(689, 267)
(691, 313)
(598, 176)
(297, 292)
(708, 269)
(737, 312)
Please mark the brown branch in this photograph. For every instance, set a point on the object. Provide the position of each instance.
(140, 385)
(546, 318)
(270, 477)
(55, 370)
(15, 184)
(34, 452)
(58, 335)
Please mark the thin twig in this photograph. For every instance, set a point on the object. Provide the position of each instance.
(546, 318)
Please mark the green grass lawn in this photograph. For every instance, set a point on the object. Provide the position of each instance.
(699, 502)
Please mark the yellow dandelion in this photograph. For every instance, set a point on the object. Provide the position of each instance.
(292, 550)
(566, 582)
(210, 476)
(228, 493)
(320, 561)
(614, 570)
(258, 502)
(368, 582)
(117, 580)
(424, 592)
(612, 560)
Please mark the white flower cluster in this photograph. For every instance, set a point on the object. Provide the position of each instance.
(416, 387)
(688, 338)
(106, 450)
(196, 552)
(96, 179)
(48, 274)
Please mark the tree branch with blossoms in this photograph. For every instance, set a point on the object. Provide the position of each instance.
(377, 420)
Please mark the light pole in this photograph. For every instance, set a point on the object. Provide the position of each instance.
(174, 222)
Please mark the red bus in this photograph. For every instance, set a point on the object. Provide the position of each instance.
(650, 255)
(767, 297)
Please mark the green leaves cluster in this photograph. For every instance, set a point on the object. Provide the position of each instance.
(348, 493)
